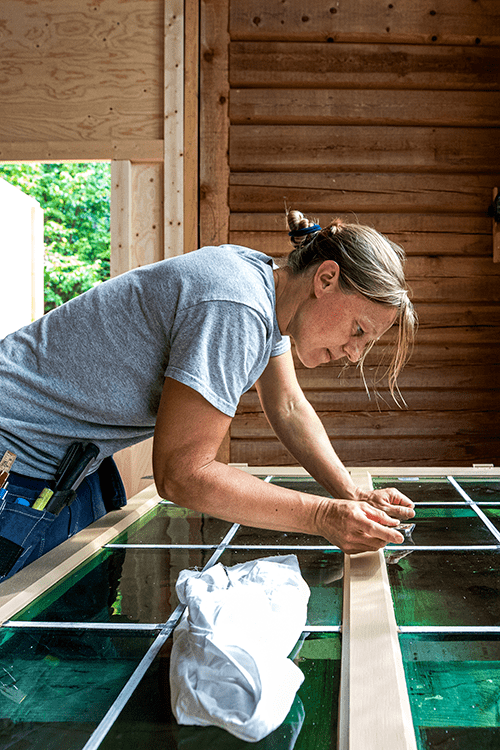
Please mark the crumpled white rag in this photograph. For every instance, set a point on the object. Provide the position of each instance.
(229, 665)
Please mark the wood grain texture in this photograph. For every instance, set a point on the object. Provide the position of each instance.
(321, 148)
(449, 22)
(214, 122)
(288, 106)
(81, 150)
(394, 451)
(335, 192)
(75, 72)
(306, 65)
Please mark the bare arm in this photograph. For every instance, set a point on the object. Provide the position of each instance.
(301, 431)
(188, 433)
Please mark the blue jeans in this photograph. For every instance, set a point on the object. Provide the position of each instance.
(26, 534)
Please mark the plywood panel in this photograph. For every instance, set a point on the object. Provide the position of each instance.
(366, 192)
(71, 71)
(319, 148)
(353, 66)
(446, 22)
(287, 106)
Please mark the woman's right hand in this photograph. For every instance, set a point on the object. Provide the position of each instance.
(355, 526)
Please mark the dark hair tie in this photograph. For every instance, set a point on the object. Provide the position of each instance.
(306, 230)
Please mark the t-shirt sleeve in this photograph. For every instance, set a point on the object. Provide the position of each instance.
(219, 349)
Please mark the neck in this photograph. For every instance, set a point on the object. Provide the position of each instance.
(290, 291)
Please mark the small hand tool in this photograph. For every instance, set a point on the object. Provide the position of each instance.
(69, 475)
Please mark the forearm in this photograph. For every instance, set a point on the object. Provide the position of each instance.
(233, 495)
(301, 431)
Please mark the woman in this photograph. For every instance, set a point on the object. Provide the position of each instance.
(168, 349)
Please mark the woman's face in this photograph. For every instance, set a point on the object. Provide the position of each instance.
(328, 324)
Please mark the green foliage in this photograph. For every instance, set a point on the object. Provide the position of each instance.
(75, 199)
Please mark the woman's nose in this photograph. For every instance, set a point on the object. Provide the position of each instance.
(353, 351)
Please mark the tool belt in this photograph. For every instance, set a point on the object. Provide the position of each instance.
(26, 533)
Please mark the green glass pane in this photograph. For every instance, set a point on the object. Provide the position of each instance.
(482, 490)
(147, 721)
(132, 586)
(56, 686)
(446, 588)
(171, 524)
(453, 683)
(449, 526)
(323, 572)
(493, 514)
(421, 489)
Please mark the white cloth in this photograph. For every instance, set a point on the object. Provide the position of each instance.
(229, 665)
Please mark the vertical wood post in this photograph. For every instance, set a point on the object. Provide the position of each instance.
(214, 134)
(121, 217)
(173, 144)
(496, 234)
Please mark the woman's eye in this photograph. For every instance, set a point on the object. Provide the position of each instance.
(359, 331)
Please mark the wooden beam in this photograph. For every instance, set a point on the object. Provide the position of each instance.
(191, 124)
(374, 708)
(173, 162)
(121, 217)
(105, 150)
(214, 122)
(496, 233)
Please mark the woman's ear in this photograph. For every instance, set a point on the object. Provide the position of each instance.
(326, 278)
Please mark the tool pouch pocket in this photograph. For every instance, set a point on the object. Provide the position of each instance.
(22, 532)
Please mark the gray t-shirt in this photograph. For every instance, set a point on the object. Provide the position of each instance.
(93, 369)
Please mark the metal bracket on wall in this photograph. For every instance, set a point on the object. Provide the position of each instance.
(494, 212)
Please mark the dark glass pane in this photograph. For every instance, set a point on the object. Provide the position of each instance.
(449, 526)
(301, 484)
(323, 572)
(421, 489)
(56, 686)
(310, 725)
(493, 514)
(453, 687)
(249, 535)
(446, 588)
(118, 586)
(482, 490)
(171, 524)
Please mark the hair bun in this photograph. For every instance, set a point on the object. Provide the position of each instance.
(300, 226)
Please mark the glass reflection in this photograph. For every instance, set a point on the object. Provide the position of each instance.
(323, 572)
(421, 489)
(483, 490)
(133, 586)
(453, 684)
(56, 686)
(311, 722)
(449, 526)
(171, 524)
(446, 588)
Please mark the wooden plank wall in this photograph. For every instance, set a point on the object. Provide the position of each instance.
(385, 113)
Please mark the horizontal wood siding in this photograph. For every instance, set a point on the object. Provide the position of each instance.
(388, 115)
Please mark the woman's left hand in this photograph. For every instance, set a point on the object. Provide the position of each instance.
(390, 500)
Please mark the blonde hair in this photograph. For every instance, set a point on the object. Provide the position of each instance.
(370, 265)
